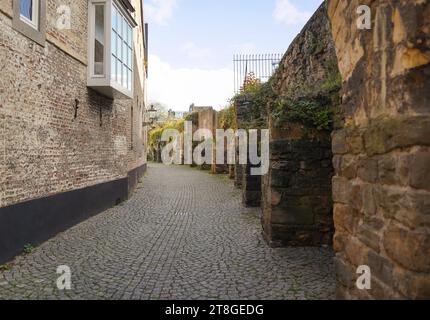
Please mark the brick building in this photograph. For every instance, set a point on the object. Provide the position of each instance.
(72, 108)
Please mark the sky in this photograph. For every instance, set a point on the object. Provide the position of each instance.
(192, 43)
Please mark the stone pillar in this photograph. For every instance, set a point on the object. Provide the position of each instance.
(238, 174)
(240, 108)
(250, 185)
(207, 120)
(222, 168)
(296, 202)
(231, 172)
(297, 205)
(382, 154)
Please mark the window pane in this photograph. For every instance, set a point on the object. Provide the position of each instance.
(124, 53)
(118, 46)
(130, 61)
(118, 71)
(119, 25)
(114, 18)
(27, 8)
(124, 76)
(129, 35)
(113, 68)
(99, 40)
(113, 40)
(129, 80)
(124, 29)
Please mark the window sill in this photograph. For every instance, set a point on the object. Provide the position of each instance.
(110, 89)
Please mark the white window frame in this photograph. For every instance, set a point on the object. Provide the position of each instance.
(128, 65)
(34, 23)
(107, 84)
(91, 51)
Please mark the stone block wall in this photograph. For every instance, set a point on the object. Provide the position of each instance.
(296, 201)
(250, 185)
(208, 120)
(382, 154)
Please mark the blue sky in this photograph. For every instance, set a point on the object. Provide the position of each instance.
(192, 43)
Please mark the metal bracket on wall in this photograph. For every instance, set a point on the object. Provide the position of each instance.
(101, 117)
(76, 108)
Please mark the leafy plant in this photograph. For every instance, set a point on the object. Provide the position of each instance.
(314, 108)
(5, 267)
(310, 112)
(193, 117)
(28, 248)
(227, 118)
(257, 96)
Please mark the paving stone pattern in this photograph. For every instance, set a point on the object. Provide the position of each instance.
(183, 235)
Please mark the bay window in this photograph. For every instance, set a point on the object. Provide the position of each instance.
(110, 48)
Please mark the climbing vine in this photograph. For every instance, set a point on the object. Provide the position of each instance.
(256, 95)
(227, 118)
(313, 108)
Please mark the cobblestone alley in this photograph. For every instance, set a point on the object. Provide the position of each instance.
(183, 235)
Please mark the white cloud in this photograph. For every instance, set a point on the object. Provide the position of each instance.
(160, 11)
(192, 51)
(288, 14)
(178, 88)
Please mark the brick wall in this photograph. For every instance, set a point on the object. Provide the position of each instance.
(382, 155)
(44, 150)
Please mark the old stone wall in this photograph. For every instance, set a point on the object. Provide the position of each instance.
(207, 120)
(250, 185)
(296, 201)
(382, 154)
(44, 149)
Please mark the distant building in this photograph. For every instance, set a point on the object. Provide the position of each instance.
(194, 108)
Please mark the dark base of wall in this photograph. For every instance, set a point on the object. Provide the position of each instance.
(231, 173)
(238, 175)
(134, 177)
(281, 236)
(251, 188)
(220, 169)
(36, 221)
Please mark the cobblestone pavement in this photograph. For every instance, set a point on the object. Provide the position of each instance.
(183, 235)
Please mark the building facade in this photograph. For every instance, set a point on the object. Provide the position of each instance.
(72, 107)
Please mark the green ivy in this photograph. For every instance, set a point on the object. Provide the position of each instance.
(315, 108)
(193, 117)
(227, 118)
(258, 96)
(306, 111)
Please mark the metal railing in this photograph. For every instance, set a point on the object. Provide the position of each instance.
(261, 66)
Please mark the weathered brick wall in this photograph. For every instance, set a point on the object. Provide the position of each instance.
(382, 155)
(296, 200)
(44, 150)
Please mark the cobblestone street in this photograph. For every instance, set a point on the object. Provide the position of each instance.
(183, 235)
